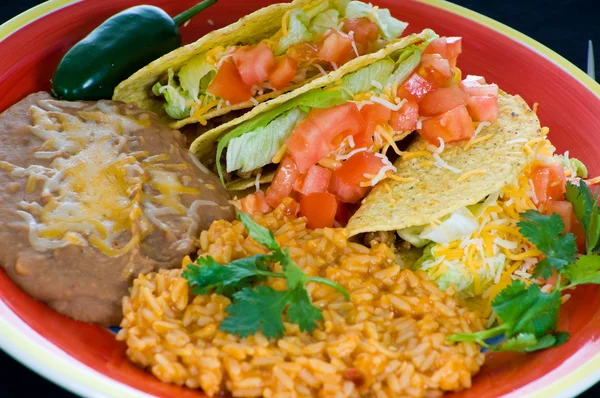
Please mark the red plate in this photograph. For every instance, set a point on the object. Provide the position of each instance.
(88, 360)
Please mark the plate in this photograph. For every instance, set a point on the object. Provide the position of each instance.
(87, 359)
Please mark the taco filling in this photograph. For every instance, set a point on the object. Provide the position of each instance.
(331, 146)
(309, 44)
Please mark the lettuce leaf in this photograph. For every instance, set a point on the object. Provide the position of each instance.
(196, 75)
(389, 26)
(413, 236)
(324, 21)
(407, 63)
(361, 81)
(175, 97)
(256, 148)
(461, 223)
(297, 31)
(306, 102)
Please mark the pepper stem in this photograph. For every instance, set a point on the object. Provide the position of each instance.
(192, 12)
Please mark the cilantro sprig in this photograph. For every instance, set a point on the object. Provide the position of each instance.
(255, 307)
(528, 316)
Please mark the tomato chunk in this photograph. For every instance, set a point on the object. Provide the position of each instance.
(284, 72)
(435, 69)
(283, 181)
(254, 63)
(442, 100)
(438, 46)
(406, 117)
(365, 32)
(316, 179)
(353, 170)
(414, 88)
(315, 137)
(336, 48)
(374, 115)
(347, 193)
(447, 47)
(572, 225)
(319, 208)
(483, 108)
(476, 86)
(454, 125)
(228, 84)
(255, 203)
(302, 52)
(548, 183)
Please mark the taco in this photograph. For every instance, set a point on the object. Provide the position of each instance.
(460, 203)
(271, 51)
(313, 129)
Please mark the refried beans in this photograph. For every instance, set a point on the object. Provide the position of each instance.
(91, 195)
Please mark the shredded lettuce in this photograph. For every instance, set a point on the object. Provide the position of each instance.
(196, 75)
(297, 31)
(318, 9)
(324, 21)
(413, 236)
(406, 65)
(461, 223)
(256, 148)
(389, 26)
(361, 81)
(426, 258)
(176, 100)
(578, 169)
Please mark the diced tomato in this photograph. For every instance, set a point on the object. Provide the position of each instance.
(255, 64)
(414, 88)
(438, 46)
(344, 212)
(284, 72)
(483, 108)
(441, 100)
(406, 117)
(315, 137)
(454, 125)
(374, 115)
(255, 203)
(336, 48)
(447, 47)
(436, 70)
(476, 86)
(316, 179)
(365, 32)
(283, 181)
(566, 211)
(548, 182)
(302, 52)
(319, 208)
(228, 84)
(347, 193)
(353, 170)
(453, 47)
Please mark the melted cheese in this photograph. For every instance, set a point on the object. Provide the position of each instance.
(98, 195)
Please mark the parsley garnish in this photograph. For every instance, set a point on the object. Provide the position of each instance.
(528, 317)
(259, 308)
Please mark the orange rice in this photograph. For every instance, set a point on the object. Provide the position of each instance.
(389, 341)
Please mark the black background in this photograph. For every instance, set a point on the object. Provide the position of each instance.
(563, 25)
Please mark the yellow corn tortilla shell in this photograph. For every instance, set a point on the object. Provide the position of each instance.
(432, 192)
(203, 145)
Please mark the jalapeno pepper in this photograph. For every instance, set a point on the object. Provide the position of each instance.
(123, 44)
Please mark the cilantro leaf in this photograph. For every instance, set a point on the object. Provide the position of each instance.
(225, 279)
(259, 233)
(527, 342)
(301, 310)
(526, 309)
(585, 270)
(258, 309)
(294, 275)
(547, 234)
(586, 210)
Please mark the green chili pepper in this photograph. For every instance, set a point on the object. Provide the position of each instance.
(123, 44)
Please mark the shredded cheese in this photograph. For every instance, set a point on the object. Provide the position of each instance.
(284, 23)
(477, 141)
(387, 104)
(376, 84)
(480, 127)
(257, 182)
(279, 155)
(468, 174)
(415, 154)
